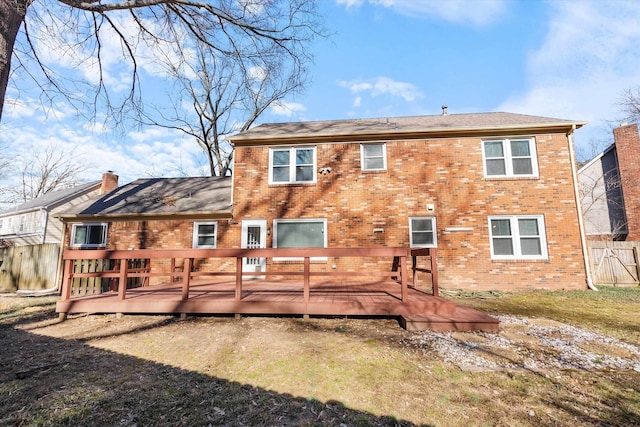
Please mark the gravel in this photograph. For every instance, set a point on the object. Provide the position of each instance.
(530, 344)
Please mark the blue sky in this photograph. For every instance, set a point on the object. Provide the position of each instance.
(386, 58)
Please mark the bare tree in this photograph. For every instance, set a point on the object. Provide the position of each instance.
(602, 202)
(630, 104)
(89, 35)
(48, 170)
(220, 95)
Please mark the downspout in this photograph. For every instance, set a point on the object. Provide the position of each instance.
(576, 191)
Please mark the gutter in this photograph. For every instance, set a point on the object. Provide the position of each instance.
(240, 140)
(576, 190)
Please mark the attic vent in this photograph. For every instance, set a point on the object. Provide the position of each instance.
(444, 109)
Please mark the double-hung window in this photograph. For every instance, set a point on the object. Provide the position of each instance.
(422, 232)
(204, 234)
(510, 157)
(89, 235)
(373, 156)
(517, 237)
(292, 165)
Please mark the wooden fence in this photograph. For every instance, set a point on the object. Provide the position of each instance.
(31, 267)
(614, 263)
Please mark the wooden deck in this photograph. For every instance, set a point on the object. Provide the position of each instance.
(368, 294)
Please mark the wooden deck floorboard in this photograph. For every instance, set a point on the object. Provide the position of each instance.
(359, 298)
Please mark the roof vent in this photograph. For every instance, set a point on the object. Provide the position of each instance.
(444, 109)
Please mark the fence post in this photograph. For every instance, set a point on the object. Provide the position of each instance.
(186, 278)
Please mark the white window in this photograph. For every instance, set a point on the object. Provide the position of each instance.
(204, 234)
(292, 165)
(373, 156)
(89, 235)
(517, 237)
(422, 232)
(510, 157)
(300, 233)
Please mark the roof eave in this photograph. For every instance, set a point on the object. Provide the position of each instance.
(145, 216)
(564, 127)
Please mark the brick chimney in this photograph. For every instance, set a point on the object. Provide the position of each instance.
(109, 182)
(628, 152)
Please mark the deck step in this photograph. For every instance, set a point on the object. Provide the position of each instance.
(462, 319)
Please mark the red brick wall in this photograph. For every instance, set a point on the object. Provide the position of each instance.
(164, 234)
(447, 173)
(628, 151)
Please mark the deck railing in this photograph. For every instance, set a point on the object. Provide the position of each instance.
(123, 272)
(416, 257)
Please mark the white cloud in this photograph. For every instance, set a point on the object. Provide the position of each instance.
(589, 56)
(357, 101)
(283, 108)
(384, 86)
(474, 12)
(350, 3)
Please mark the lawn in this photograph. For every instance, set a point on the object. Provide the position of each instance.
(159, 370)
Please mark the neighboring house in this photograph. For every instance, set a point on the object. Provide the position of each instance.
(34, 223)
(494, 193)
(32, 235)
(609, 189)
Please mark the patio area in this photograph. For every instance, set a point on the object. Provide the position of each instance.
(393, 294)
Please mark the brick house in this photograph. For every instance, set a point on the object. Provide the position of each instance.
(609, 188)
(494, 192)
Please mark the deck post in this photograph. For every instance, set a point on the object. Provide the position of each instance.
(434, 270)
(122, 279)
(238, 278)
(186, 278)
(403, 277)
(66, 280)
(414, 267)
(307, 264)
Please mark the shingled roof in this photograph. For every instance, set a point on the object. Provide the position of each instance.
(52, 199)
(416, 126)
(161, 198)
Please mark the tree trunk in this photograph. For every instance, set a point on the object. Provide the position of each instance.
(12, 13)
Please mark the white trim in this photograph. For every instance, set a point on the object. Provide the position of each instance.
(516, 238)
(508, 158)
(384, 156)
(103, 242)
(196, 233)
(433, 227)
(292, 164)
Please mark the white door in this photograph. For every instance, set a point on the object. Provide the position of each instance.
(254, 235)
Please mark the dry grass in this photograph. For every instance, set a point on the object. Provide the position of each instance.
(157, 370)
